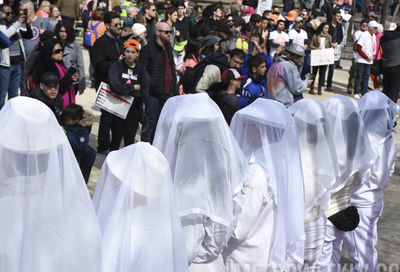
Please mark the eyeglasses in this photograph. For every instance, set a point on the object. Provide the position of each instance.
(116, 25)
(57, 51)
(8, 13)
(300, 23)
(167, 32)
(230, 21)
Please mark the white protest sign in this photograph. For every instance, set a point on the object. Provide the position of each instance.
(116, 104)
(264, 5)
(322, 57)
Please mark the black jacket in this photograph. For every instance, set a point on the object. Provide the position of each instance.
(54, 104)
(390, 44)
(104, 52)
(120, 73)
(152, 58)
(339, 33)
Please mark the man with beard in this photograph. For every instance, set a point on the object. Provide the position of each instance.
(107, 49)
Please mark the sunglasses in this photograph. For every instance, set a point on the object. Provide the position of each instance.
(167, 32)
(8, 13)
(230, 21)
(153, 9)
(57, 51)
(116, 25)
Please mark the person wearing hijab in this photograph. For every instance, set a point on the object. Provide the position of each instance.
(270, 230)
(354, 156)
(320, 171)
(379, 115)
(208, 169)
(47, 219)
(137, 212)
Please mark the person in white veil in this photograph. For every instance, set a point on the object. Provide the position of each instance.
(379, 115)
(270, 229)
(320, 170)
(138, 217)
(47, 220)
(354, 156)
(207, 168)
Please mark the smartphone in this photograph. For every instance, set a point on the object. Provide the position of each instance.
(310, 76)
(25, 12)
(251, 47)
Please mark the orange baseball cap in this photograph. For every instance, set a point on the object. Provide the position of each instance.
(132, 43)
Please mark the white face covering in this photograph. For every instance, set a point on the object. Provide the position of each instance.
(47, 220)
(138, 217)
(267, 135)
(352, 146)
(379, 115)
(317, 150)
(207, 168)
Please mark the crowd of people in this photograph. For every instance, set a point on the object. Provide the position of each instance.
(218, 92)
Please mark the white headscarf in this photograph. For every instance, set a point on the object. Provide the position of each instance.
(317, 150)
(267, 135)
(138, 217)
(379, 115)
(207, 168)
(47, 220)
(353, 150)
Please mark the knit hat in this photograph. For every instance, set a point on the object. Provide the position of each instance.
(291, 16)
(138, 29)
(132, 43)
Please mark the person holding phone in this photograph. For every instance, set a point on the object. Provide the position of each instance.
(13, 56)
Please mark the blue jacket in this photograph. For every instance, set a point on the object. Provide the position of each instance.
(78, 138)
(245, 68)
(252, 89)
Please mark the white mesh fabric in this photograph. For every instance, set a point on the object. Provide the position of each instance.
(138, 217)
(317, 151)
(207, 167)
(379, 115)
(267, 135)
(353, 150)
(47, 220)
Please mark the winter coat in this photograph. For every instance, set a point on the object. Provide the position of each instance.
(54, 104)
(73, 55)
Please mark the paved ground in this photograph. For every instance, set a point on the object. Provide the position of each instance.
(389, 224)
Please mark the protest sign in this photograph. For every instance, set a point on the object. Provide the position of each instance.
(264, 5)
(322, 57)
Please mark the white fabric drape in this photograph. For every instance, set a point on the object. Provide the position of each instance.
(207, 167)
(138, 217)
(267, 135)
(317, 150)
(353, 149)
(47, 220)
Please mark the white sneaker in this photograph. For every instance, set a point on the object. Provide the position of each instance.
(356, 96)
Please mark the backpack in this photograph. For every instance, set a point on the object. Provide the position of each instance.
(91, 34)
(193, 75)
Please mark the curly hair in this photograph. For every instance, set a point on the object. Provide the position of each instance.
(68, 28)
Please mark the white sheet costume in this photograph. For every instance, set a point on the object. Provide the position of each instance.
(320, 170)
(354, 156)
(379, 115)
(47, 220)
(138, 217)
(270, 232)
(207, 168)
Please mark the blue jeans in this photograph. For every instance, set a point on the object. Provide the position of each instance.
(362, 76)
(154, 106)
(10, 78)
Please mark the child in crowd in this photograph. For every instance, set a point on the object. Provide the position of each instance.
(255, 86)
(77, 124)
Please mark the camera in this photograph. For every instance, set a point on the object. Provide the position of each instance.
(25, 12)
(310, 76)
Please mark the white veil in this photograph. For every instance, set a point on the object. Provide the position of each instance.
(317, 150)
(207, 167)
(138, 217)
(379, 115)
(353, 150)
(267, 135)
(47, 220)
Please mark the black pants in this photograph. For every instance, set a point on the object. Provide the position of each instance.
(391, 82)
(125, 128)
(86, 160)
(322, 71)
(330, 74)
